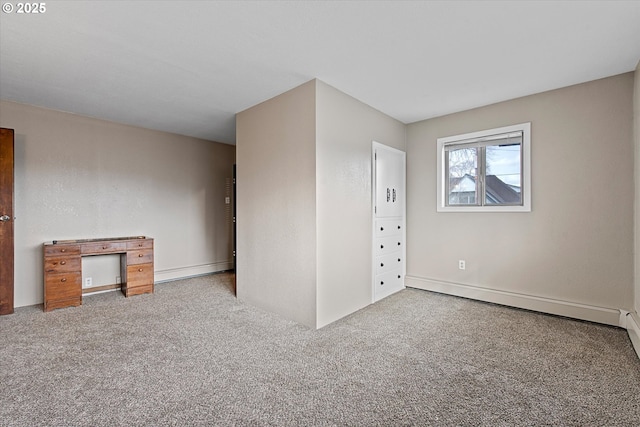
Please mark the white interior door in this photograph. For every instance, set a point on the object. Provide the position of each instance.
(389, 265)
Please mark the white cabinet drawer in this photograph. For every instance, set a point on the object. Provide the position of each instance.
(388, 227)
(388, 262)
(389, 280)
(388, 244)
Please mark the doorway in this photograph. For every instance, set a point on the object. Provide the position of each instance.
(6, 220)
(234, 241)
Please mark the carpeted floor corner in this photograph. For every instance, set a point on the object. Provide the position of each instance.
(192, 355)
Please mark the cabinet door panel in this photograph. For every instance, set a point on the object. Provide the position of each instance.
(389, 183)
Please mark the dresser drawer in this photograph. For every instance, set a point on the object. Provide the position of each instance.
(388, 244)
(62, 264)
(103, 248)
(139, 280)
(59, 250)
(143, 256)
(388, 281)
(140, 274)
(388, 262)
(140, 244)
(60, 286)
(388, 227)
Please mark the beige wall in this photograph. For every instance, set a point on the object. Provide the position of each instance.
(576, 245)
(78, 177)
(276, 205)
(304, 202)
(345, 129)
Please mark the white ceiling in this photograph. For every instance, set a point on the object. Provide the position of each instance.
(188, 66)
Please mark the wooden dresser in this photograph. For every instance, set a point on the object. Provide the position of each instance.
(63, 267)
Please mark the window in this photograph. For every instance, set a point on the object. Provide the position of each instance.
(487, 171)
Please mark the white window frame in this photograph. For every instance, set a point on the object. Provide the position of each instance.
(525, 176)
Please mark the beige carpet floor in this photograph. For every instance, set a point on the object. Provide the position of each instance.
(192, 355)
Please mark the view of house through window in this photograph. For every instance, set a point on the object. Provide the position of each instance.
(484, 168)
(498, 166)
(463, 176)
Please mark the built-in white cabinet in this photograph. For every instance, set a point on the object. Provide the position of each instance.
(389, 220)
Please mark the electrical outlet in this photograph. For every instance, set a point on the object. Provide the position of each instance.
(462, 264)
(88, 282)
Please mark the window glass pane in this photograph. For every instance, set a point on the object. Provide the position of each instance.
(462, 175)
(488, 170)
(503, 179)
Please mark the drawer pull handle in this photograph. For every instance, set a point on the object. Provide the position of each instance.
(381, 246)
(398, 243)
(398, 227)
(104, 247)
(64, 279)
(139, 245)
(381, 264)
(140, 255)
(381, 228)
(139, 269)
(398, 276)
(398, 259)
(63, 262)
(63, 250)
(382, 283)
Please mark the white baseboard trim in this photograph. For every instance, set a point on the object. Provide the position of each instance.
(608, 316)
(633, 329)
(194, 270)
